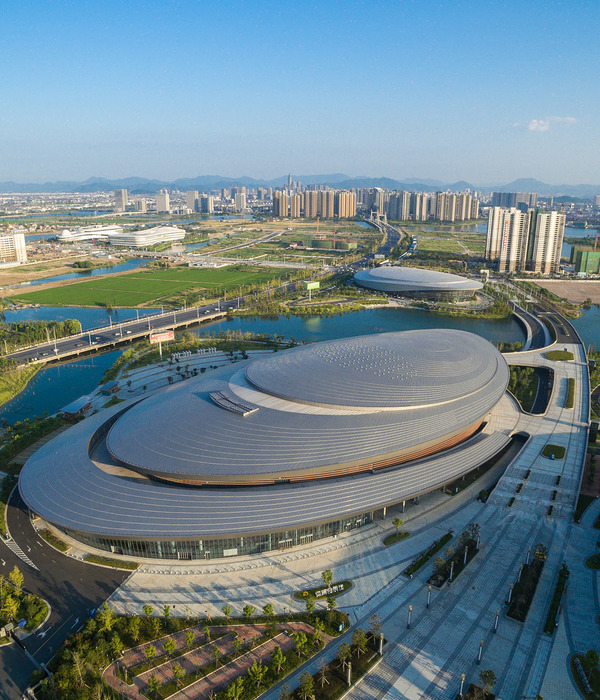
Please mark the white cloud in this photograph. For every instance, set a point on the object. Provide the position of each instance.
(538, 125)
(544, 124)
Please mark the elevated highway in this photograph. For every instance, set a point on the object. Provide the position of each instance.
(106, 337)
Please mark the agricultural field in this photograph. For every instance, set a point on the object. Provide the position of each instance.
(152, 287)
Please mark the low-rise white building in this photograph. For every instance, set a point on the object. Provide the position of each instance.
(89, 233)
(148, 236)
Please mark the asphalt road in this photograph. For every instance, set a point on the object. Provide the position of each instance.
(71, 587)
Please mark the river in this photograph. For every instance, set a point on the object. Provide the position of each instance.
(132, 264)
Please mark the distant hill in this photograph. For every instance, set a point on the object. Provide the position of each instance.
(141, 185)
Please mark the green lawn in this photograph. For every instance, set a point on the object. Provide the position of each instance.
(153, 286)
(439, 244)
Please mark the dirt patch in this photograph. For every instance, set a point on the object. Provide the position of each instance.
(576, 291)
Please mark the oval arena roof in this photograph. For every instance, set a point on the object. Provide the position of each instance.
(394, 278)
(351, 411)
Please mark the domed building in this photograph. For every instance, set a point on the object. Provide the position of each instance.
(276, 451)
(417, 282)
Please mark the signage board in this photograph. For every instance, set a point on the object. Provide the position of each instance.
(162, 337)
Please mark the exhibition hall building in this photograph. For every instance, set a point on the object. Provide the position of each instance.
(275, 452)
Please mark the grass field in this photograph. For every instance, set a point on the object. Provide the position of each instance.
(139, 288)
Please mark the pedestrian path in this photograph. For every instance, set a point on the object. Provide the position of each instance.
(15, 549)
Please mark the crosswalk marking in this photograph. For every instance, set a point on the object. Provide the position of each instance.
(15, 549)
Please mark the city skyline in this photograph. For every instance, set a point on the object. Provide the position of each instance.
(454, 92)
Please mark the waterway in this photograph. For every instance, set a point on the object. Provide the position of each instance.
(132, 264)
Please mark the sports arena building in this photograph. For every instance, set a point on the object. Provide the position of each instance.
(417, 282)
(277, 451)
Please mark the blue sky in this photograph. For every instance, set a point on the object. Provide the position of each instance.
(484, 91)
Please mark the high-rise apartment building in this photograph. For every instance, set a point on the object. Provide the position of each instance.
(121, 200)
(518, 240)
(514, 199)
(12, 248)
(207, 204)
(345, 205)
(418, 206)
(506, 241)
(192, 200)
(163, 202)
(547, 230)
(311, 204)
(597, 200)
(295, 206)
(281, 204)
(327, 206)
(141, 205)
(240, 200)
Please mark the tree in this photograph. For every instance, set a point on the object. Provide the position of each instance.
(331, 602)
(216, 652)
(590, 662)
(226, 611)
(169, 646)
(344, 653)
(178, 673)
(235, 689)
(327, 577)
(256, 673)
(323, 673)
(301, 642)
(156, 626)
(150, 652)
(248, 611)
(148, 610)
(10, 608)
(285, 693)
(166, 611)
(133, 627)
(237, 645)
(16, 578)
(278, 658)
(153, 685)
(267, 610)
(375, 625)
(106, 617)
(398, 523)
(316, 638)
(488, 680)
(307, 686)
(189, 638)
(359, 641)
(310, 605)
(116, 645)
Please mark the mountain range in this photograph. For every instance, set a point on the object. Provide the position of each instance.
(140, 185)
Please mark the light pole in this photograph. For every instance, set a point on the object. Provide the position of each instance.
(480, 652)
(462, 684)
(428, 596)
(409, 617)
(496, 621)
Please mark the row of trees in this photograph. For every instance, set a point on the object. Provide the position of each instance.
(22, 333)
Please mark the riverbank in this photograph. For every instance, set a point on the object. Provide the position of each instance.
(12, 382)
